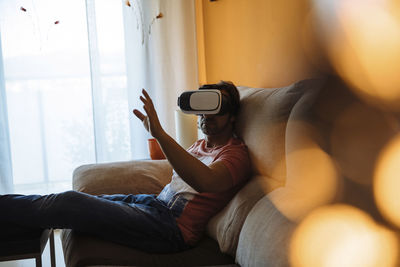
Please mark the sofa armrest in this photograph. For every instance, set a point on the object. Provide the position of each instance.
(130, 177)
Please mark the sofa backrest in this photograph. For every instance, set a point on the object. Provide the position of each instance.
(312, 143)
(262, 124)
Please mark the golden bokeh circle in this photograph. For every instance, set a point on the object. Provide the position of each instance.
(387, 181)
(342, 235)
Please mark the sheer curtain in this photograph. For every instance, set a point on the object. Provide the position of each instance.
(161, 57)
(73, 71)
(5, 156)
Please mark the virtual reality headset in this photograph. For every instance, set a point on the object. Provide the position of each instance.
(204, 101)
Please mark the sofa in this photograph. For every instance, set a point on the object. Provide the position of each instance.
(312, 143)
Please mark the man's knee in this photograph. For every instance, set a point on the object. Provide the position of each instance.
(61, 201)
(70, 195)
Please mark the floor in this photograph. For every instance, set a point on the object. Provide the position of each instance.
(45, 256)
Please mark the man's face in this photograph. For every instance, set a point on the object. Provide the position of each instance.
(215, 124)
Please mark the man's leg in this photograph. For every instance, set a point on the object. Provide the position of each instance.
(144, 224)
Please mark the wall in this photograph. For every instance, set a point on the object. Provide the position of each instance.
(259, 43)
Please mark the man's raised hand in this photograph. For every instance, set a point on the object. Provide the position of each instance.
(150, 121)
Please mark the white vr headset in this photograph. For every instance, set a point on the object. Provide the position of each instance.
(204, 101)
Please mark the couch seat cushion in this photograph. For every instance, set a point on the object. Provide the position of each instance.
(83, 250)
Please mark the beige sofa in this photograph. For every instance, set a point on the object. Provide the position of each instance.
(311, 143)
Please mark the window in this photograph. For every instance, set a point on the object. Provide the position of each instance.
(65, 84)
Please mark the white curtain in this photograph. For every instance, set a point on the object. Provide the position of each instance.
(160, 43)
(5, 156)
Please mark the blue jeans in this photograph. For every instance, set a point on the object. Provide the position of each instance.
(139, 221)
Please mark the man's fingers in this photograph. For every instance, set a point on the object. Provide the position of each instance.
(139, 114)
(144, 92)
(148, 98)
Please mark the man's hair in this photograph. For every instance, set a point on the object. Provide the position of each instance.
(232, 91)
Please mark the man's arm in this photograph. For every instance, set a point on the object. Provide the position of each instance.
(213, 178)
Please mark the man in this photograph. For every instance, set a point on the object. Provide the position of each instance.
(205, 178)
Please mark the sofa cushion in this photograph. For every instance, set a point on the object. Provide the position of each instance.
(128, 177)
(225, 227)
(262, 125)
(84, 250)
(264, 239)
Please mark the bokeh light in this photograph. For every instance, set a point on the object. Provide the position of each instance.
(387, 181)
(342, 235)
(362, 38)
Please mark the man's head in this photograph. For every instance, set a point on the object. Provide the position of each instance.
(222, 122)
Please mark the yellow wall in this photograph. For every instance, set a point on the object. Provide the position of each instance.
(256, 43)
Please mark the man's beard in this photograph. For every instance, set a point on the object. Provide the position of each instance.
(208, 127)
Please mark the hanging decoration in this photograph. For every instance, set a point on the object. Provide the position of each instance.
(37, 26)
(136, 7)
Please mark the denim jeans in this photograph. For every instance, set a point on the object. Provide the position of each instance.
(139, 221)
